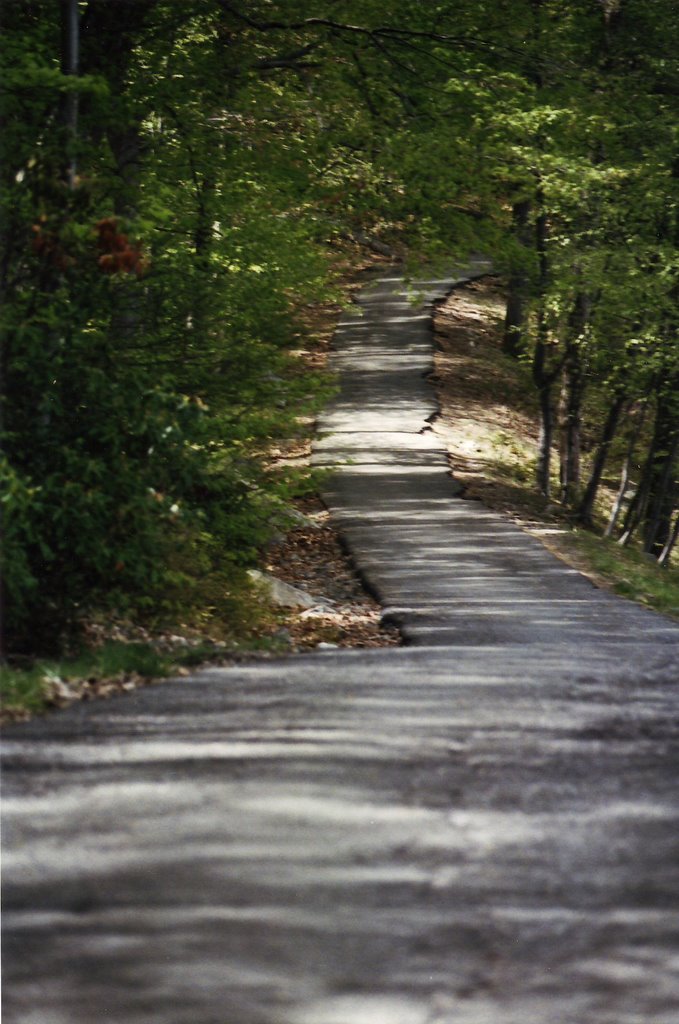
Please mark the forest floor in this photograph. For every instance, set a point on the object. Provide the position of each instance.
(312, 558)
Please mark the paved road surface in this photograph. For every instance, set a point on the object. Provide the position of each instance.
(479, 828)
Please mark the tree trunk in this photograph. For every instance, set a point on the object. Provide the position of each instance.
(637, 506)
(572, 394)
(127, 151)
(648, 507)
(545, 440)
(635, 433)
(70, 59)
(203, 243)
(666, 552)
(662, 489)
(543, 379)
(620, 496)
(586, 507)
(518, 283)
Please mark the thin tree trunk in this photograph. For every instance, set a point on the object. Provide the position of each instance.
(665, 554)
(127, 316)
(543, 378)
(202, 240)
(571, 426)
(638, 507)
(545, 441)
(543, 382)
(662, 494)
(573, 389)
(70, 61)
(586, 507)
(518, 284)
(626, 472)
(620, 497)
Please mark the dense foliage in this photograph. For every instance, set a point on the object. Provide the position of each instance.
(153, 263)
(174, 176)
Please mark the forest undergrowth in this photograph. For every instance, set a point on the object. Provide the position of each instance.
(112, 655)
(489, 425)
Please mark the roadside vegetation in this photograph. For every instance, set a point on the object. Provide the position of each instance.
(489, 423)
(115, 667)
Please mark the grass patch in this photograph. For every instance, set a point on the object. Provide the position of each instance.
(23, 691)
(625, 570)
(51, 682)
(114, 667)
(628, 572)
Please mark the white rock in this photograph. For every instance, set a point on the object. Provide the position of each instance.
(282, 593)
(318, 611)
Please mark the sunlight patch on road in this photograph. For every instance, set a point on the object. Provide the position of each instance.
(363, 1009)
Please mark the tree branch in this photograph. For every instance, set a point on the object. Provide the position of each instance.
(292, 60)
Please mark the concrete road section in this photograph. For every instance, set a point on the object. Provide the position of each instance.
(446, 570)
(479, 828)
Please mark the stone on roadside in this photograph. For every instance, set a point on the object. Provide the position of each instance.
(283, 594)
(319, 611)
(298, 520)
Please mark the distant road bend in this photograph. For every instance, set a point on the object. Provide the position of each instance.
(481, 827)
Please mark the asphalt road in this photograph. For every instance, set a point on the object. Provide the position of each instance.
(479, 828)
